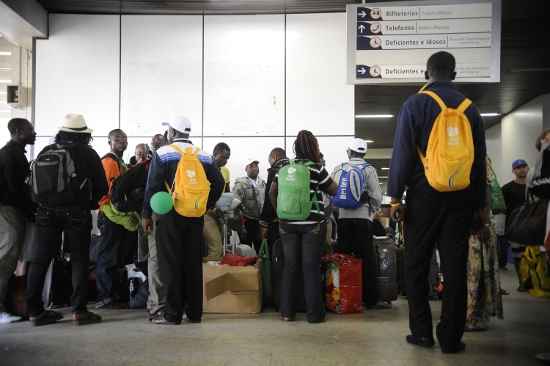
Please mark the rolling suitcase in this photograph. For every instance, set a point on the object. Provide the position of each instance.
(386, 276)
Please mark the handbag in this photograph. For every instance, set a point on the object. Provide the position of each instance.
(527, 223)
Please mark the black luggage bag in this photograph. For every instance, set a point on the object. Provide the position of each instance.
(386, 276)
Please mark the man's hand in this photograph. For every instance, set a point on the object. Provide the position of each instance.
(397, 212)
(147, 225)
(263, 230)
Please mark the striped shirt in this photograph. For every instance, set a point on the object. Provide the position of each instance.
(319, 180)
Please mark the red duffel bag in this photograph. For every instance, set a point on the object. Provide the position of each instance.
(344, 284)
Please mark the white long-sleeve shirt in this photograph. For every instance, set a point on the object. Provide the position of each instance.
(367, 210)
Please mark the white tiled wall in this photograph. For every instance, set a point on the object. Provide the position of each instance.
(159, 61)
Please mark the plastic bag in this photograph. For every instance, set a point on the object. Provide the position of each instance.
(236, 260)
(344, 284)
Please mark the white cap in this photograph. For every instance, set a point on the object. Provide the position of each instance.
(75, 123)
(179, 123)
(358, 145)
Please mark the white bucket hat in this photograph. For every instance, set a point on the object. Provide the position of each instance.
(75, 123)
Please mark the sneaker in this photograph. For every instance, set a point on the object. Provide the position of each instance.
(104, 304)
(522, 288)
(86, 317)
(162, 318)
(46, 317)
(6, 318)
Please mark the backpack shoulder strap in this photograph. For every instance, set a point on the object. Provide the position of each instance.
(182, 151)
(177, 148)
(435, 97)
(464, 105)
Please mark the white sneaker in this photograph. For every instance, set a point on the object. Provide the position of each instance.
(6, 318)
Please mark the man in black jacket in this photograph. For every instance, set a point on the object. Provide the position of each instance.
(434, 217)
(15, 204)
(66, 219)
(269, 221)
(180, 240)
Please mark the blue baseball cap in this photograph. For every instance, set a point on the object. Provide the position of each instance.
(519, 163)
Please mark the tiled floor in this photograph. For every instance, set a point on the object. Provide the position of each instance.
(375, 338)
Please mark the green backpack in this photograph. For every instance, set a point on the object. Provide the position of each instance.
(293, 197)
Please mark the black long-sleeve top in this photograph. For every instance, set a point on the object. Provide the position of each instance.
(414, 125)
(14, 171)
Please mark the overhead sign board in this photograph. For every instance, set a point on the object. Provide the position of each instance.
(390, 42)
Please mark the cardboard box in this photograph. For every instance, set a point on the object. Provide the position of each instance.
(231, 290)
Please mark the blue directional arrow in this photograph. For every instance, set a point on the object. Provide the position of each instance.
(361, 71)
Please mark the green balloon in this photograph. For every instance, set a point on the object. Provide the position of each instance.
(162, 203)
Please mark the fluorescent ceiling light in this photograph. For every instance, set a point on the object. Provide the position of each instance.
(373, 115)
(5, 53)
(385, 168)
(383, 177)
(5, 68)
(5, 81)
(490, 114)
(369, 141)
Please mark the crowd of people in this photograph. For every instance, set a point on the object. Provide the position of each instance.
(68, 180)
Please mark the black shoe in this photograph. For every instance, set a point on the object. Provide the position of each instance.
(46, 317)
(194, 321)
(460, 347)
(316, 321)
(288, 318)
(379, 306)
(424, 342)
(86, 317)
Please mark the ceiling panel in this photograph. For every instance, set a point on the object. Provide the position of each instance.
(198, 6)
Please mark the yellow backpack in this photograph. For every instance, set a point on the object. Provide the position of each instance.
(450, 153)
(191, 188)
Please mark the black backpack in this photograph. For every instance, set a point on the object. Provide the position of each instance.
(128, 190)
(53, 179)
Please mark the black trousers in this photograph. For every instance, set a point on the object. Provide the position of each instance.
(302, 243)
(273, 234)
(253, 234)
(355, 237)
(73, 227)
(429, 221)
(180, 250)
(116, 248)
(502, 249)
